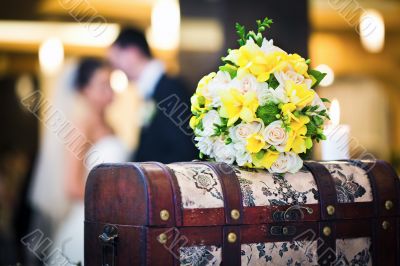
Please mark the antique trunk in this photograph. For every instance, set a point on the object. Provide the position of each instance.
(200, 213)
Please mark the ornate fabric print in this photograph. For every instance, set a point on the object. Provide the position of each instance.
(260, 188)
(200, 186)
(354, 251)
(351, 181)
(279, 253)
(200, 256)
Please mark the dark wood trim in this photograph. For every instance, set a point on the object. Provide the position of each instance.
(160, 195)
(326, 188)
(327, 243)
(231, 255)
(230, 190)
(177, 195)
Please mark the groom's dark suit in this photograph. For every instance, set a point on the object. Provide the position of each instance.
(168, 137)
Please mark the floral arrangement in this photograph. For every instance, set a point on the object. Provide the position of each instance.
(260, 110)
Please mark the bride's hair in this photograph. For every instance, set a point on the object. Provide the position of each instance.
(86, 68)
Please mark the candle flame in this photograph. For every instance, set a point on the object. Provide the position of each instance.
(334, 112)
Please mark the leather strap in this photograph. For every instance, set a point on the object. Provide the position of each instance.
(176, 192)
(384, 240)
(390, 176)
(230, 190)
(327, 243)
(160, 246)
(231, 255)
(160, 195)
(326, 189)
(384, 186)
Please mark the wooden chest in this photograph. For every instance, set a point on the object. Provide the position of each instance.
(200, 213)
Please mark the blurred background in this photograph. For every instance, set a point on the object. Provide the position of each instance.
(40, 38)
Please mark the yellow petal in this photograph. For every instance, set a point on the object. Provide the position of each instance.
(254, 143)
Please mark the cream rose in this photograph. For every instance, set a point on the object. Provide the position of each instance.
(275, 135)
(287, 162)
(240, 132)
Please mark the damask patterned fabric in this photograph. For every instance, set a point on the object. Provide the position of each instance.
(200, 186)
(355, 251)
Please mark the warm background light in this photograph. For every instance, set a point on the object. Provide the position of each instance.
(334, 112)
(119, 81)
(51, 55)
(164, 32)
(372, 31)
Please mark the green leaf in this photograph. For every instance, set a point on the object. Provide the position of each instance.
(317, 75)
(260, 154)
(241, 31)
(232, 70)
(318, 121)
(272, 82)
(268, 112)
(312, 129)
(325, 100)
(228, 141)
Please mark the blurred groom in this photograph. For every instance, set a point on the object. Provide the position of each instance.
(165, 136)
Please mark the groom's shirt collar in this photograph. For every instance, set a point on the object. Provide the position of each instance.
(149, 78)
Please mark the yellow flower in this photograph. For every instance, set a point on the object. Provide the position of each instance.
(251, 59)
(297, 141)
(265, 160)
(299, 94)
(298, 63)
(195, 120)
(287, 110)
(199, 103)
(254, 143)
(202, 85)
(235, 105)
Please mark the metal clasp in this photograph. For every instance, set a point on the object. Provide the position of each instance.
(108, 240)
(278, 230)
(293, 213)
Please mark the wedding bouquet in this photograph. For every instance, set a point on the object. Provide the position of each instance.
(260, 109)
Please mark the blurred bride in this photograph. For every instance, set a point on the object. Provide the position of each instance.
(66, 210)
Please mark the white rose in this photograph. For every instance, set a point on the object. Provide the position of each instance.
(239, 133)
(221, 81)
(210, 120)
(279, 95)
(292, 75)
(205, 145)
(242, 156)
(223, 152)
(275, 135)
(268, 47)
(264, 95)
(247, 83)
(287, 162)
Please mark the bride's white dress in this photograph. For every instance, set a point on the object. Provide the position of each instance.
(70, 236)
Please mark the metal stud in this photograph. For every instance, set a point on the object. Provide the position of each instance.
(164, 215)
(327, 231)
(235, 214)
(232, 237)
(330, 210)
(162, 238)
(388, 205)
(385, 225)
